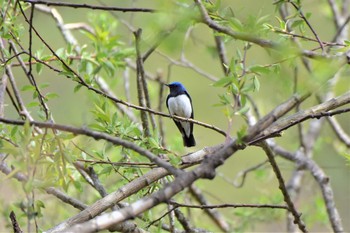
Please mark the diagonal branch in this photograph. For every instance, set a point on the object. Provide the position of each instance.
(307, 23)
(237, 35)
(92, 7)
(282, 187)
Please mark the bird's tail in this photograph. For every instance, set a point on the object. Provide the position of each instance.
(189, 141)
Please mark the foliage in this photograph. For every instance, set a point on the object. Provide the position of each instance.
(255, 62)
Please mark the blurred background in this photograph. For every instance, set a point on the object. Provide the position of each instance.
(74, 108)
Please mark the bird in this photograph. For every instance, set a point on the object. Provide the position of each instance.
(179, 103)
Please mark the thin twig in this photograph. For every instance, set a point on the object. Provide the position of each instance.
(339, 132)
(243, 174)
(231, 206)
(15, 225)
(282, 187)
(160, 108)
(308, 24)
(92, 7)
(141, 94)
(31, 79)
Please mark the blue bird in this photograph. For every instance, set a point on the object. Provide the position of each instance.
(179, 103)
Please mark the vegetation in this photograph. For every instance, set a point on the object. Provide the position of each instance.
(86, 143)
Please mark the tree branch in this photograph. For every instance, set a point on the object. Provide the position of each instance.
(87, 6)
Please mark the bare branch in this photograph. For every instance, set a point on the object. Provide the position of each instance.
(142, 89)
(231, 206)
(243, 174)
(338, 130)
(92, 7)
(15, 225)
(282, 187)
(3, 84)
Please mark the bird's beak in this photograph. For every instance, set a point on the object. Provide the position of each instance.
(166, 84)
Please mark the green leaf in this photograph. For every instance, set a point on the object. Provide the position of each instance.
(51, 95)
(248, 88)
(296, 23)
(236, 24)
(259, 69)
(77, 88)
(347, 42)
(241, 133)
(224, 100)
(77, 185)
(60, 52)
(14, 131)
(223, 82)
(308, 15)
(44, 85)
(39, 204)
(153, 143)
(256, 83)
(28, 88)
(174, 160)
(243, 110)
(38, 67)
(109, 68)
(106, 170)
(33, 104)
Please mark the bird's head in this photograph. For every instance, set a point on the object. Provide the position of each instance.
(176, 88)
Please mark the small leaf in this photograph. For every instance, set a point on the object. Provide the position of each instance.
(223, 82)
(44, 85)
(243, 110)
(106, 170)
(51, 95)
(248, 88)
(60, 52)
(234, 89)
(259, 69)
(256, 83)
(39, 67)
(77, 88)
(296, 23)
(347, 42)
(241, 133)
(14, 131)
(236, 24)
(33, 104)
(308, 15)
(28, 87)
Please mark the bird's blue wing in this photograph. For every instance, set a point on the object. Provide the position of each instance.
(192, 114)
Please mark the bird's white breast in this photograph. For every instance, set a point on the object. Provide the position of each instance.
(180, 106)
